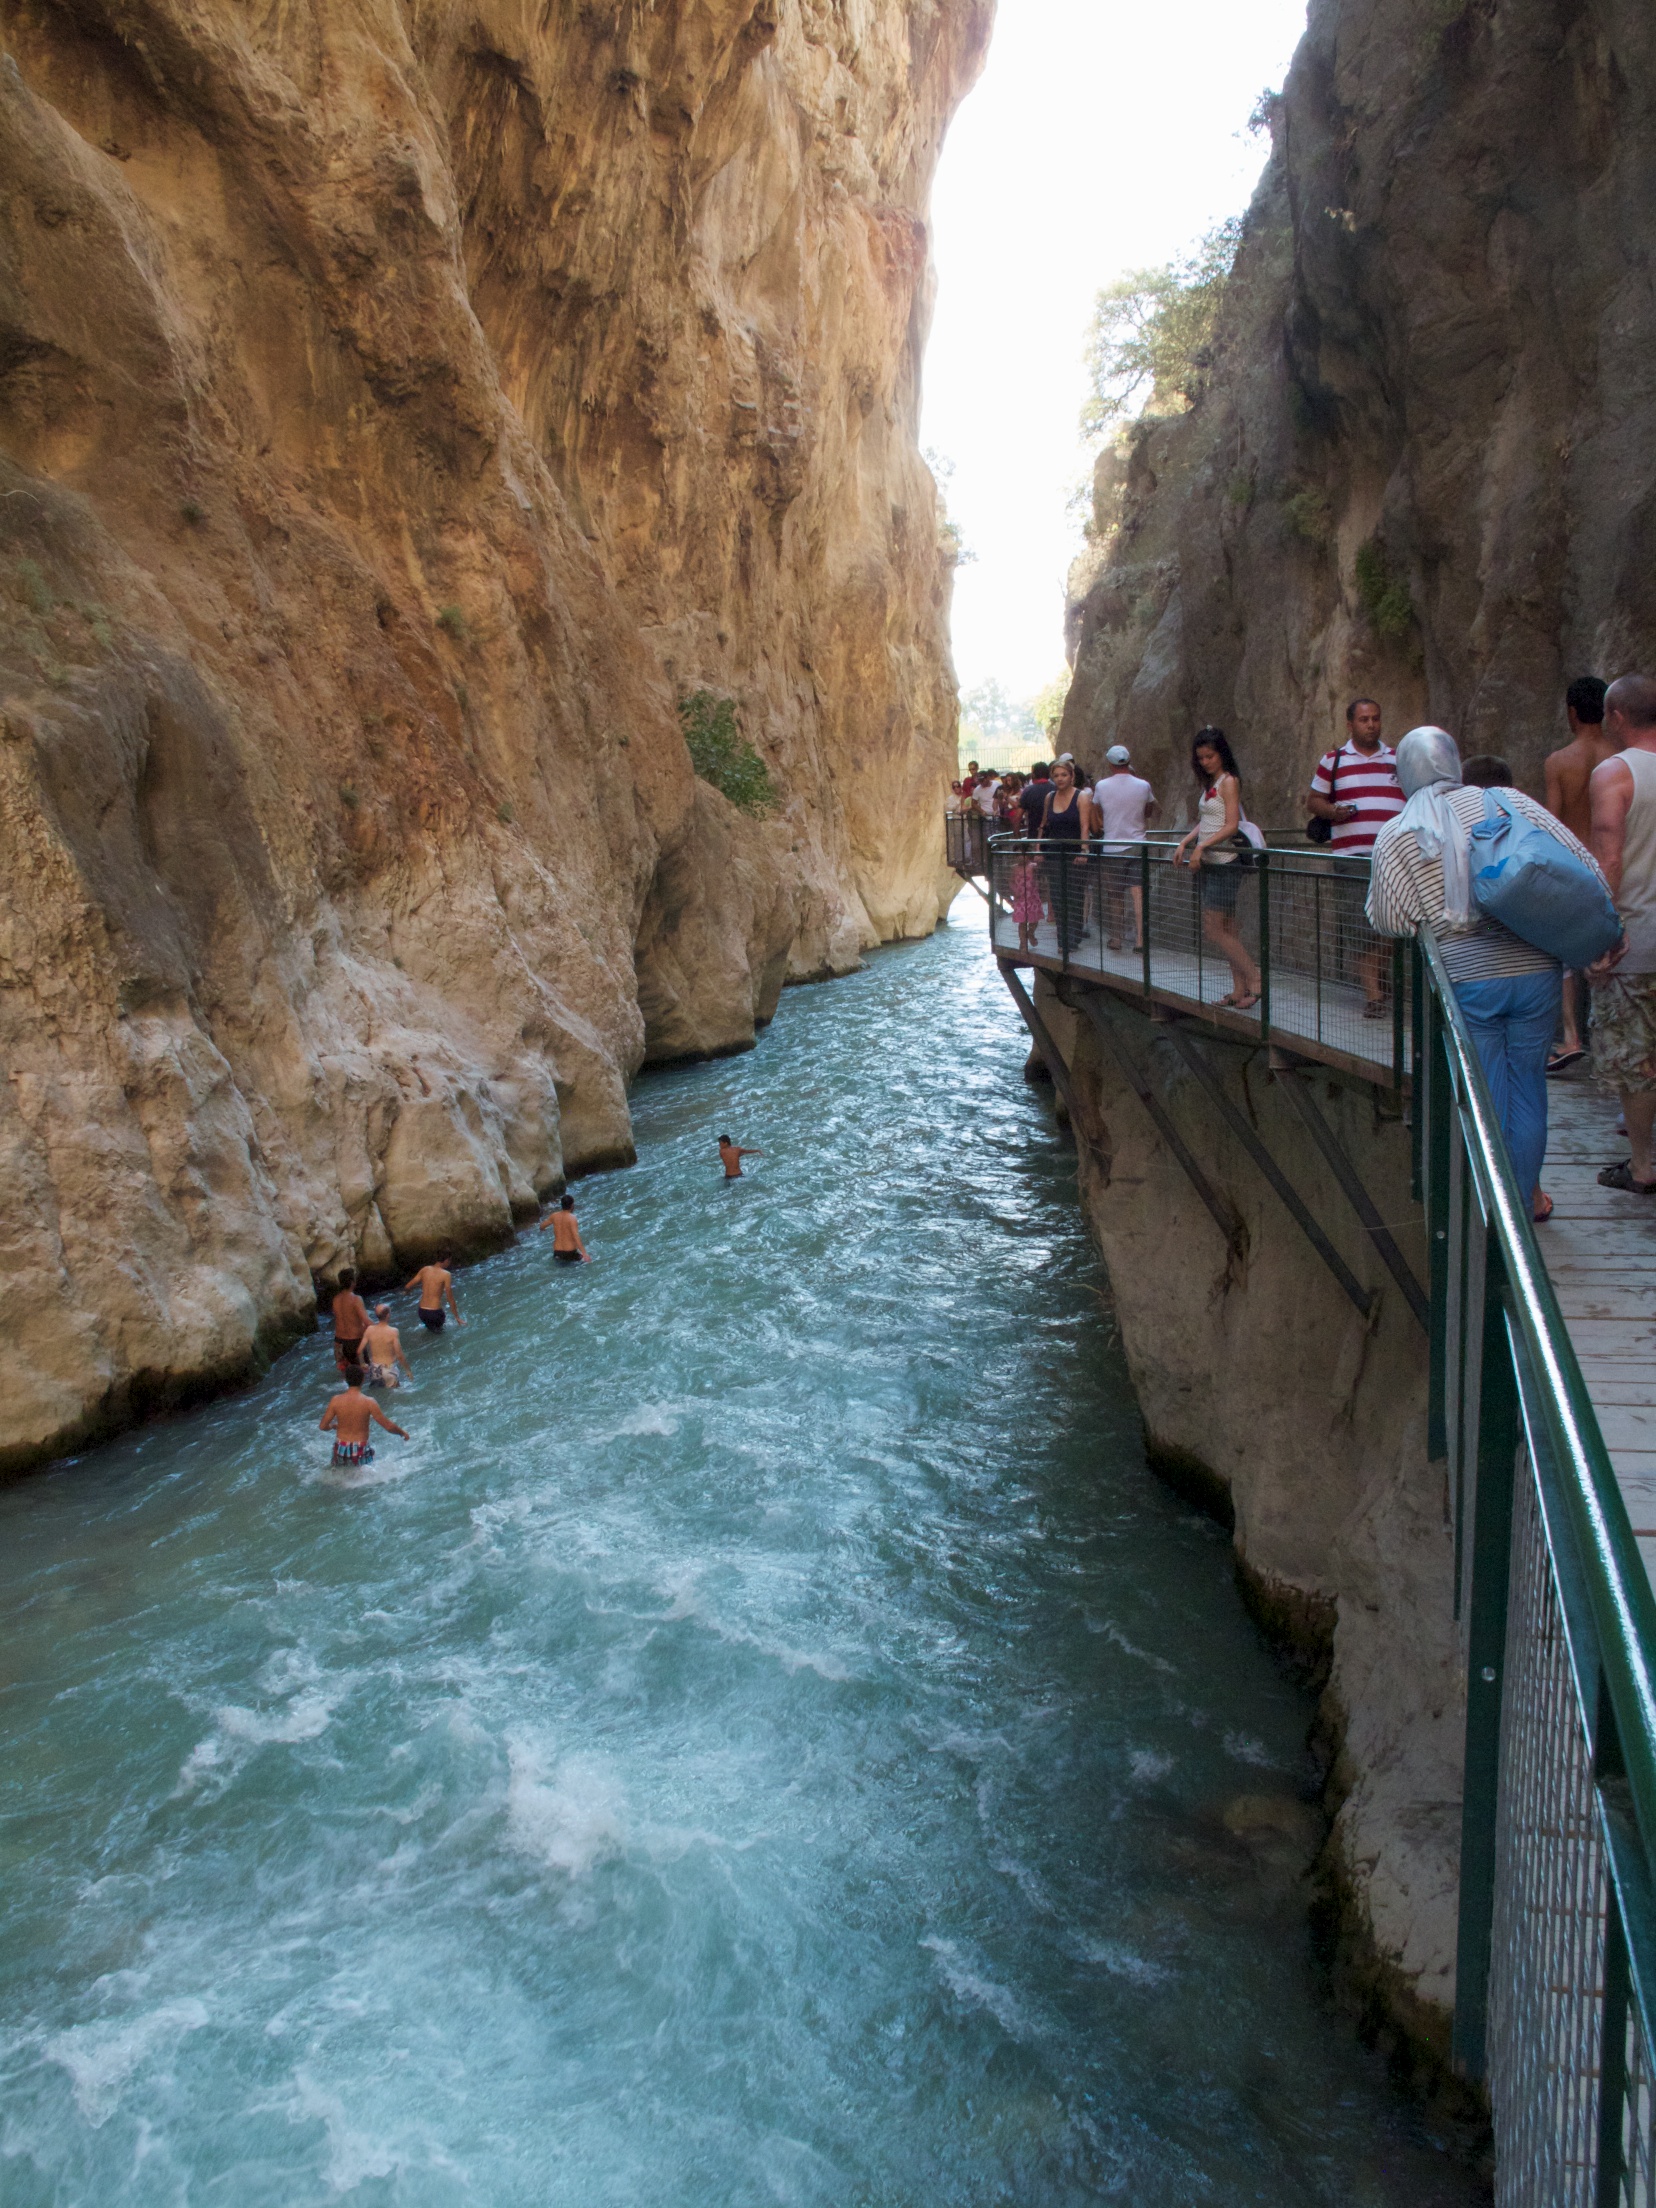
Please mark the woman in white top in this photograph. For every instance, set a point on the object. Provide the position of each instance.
(1215, 844)
(1507, 990)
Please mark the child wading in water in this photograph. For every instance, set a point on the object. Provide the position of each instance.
(567, 1246)
(349, 1415)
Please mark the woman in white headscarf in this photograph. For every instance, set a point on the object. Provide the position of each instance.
(1508, 991)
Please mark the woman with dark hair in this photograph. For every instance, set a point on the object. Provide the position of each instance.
(1216, 844)
(1062, 823)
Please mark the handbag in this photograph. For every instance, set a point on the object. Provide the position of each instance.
(1318, 830)
(1526, 879)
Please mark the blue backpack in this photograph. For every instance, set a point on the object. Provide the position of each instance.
(1526, 879)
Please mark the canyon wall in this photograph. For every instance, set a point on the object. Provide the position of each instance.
(1421, 460)
(1266, 1394)
(403, 407)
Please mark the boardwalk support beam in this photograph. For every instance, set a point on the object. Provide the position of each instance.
(1093, 1004)
(1298, 1090)
(1044, 1043)
(1363, 1298)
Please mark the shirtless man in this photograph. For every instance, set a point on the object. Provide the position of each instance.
(1567, 772)
(435, 1283)
(731, 1155)
(350, 1320)
(567, 1246)
(349, 1416)
(383, 1351)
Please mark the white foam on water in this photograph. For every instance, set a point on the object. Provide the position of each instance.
(356, 2155)
(568, 1816)
(648, 1418)
(101, 2058)
(1244, 1748)
(979, 1991)
(1113, 1634)
(1150, 1764)
(306, 1717)
(1120, 1962)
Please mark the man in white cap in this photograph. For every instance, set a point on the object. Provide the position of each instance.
(1124, 804)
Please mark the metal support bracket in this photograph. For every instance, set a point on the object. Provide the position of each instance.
(1298, 1090)
(1093, 1005)
(1363, 1298)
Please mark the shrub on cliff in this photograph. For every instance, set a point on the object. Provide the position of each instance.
(720, 753)
(1383, 595)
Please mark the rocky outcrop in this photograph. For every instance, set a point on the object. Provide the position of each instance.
(1423, 459)
(1266, 1394)
(400, 406)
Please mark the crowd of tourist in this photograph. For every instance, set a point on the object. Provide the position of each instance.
(1544, 908)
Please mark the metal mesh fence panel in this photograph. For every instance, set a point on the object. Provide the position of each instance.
(1551, 1892)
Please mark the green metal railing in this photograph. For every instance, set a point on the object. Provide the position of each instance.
(1133, 918)
(1556, 1963)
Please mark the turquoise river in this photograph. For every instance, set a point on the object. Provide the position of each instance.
(766, 1738)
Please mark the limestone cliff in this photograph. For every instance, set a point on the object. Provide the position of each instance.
(401, 405)
(1424, 460)
(1266, 1391)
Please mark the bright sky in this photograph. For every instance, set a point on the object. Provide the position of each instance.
(1104, 135)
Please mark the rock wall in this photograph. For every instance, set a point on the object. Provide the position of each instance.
(1424, 460)
(1266, 1393)
(400, 406)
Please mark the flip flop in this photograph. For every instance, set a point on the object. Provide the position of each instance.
(1542, 1216)
(1377, 1010)
(1562, 1060)
(1620, 1176)
(1245, 1003)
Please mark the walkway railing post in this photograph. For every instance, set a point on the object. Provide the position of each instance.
(1433, 1091)
(1485, 1658)
(1144, 914)
(1397, 979)
(1264, 871)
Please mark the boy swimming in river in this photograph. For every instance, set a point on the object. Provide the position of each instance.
(349, 1415)
(731, 1155)
(567, 1246)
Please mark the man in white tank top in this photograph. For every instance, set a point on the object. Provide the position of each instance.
(1125, 805)
(1622, 793)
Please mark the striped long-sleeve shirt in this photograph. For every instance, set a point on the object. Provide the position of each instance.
(1406, 893)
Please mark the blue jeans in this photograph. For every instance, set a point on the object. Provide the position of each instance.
(1513, 1022)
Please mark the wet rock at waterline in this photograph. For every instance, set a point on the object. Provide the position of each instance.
(401, 415)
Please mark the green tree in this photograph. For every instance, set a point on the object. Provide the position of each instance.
(1152, 331)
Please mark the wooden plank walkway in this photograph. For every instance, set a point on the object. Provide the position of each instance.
(1600, 1248)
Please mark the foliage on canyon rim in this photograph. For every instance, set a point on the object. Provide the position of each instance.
(1152, 331)
(720, 753)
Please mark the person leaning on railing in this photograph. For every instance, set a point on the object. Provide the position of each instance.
(1507, 989)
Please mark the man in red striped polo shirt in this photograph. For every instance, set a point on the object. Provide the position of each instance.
(1356, 790)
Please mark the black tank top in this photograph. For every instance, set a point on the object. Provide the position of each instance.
(1065, 826)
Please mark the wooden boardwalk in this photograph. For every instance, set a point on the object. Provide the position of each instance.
(1324, 1023)
(1600, 1248)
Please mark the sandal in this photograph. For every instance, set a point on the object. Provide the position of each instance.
(1244, 1003)
(1544, 1207)
(1620, 1175)
(1562, 1060)
(1376, 1009)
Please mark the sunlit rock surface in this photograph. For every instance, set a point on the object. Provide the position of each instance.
(400, 408)
(1425, 462)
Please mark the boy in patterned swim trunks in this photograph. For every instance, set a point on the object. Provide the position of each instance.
(382, 1351)
(1622, 793)
(349, 1415)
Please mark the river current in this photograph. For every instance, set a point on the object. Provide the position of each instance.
(765, 1739)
